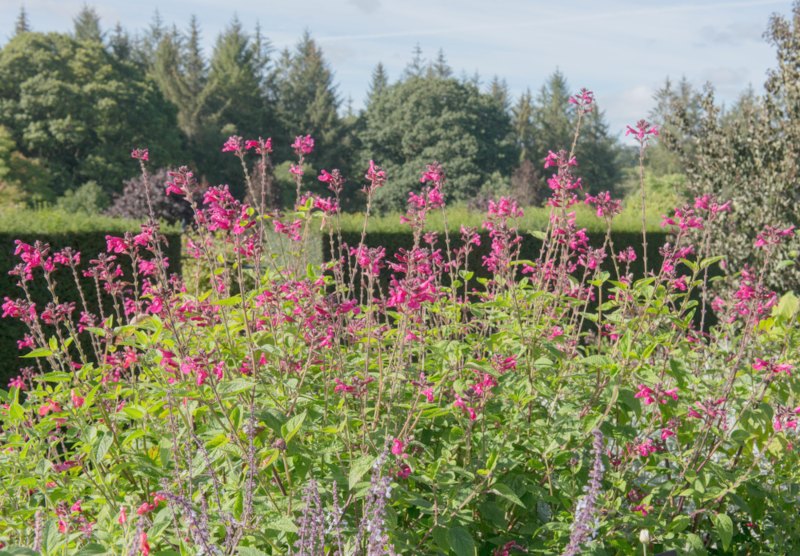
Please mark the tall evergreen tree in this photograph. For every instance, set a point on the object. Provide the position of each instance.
(308, 101)
(416, 67)
(120, 43)
(232, 101)
(87, 25)
(150, 40)
(498, 89)
(22, 24)
(440, 68)
(670, 102)
(597, 152)
(378, 84)
(552, 117)
(523, 125)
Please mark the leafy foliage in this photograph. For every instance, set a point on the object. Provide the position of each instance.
(433, 118)
(71, 103)
(750, 155)
(424, 400)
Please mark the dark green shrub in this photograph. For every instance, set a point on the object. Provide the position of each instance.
(82, 233)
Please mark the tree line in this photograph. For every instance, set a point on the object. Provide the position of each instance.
(72, 103)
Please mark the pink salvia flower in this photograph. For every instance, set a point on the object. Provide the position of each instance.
(303, 145)
(234, 144)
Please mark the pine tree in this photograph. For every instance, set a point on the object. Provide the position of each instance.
(120, 43)
(552, 117)
(380, 80)
(22, 24)
(440, 68)
(522, 123)
(308, 102)
(597, 152)
(416, 67)
(150, 40)
(194, 62)
(498, 89)
(87, 25)
(670, 102)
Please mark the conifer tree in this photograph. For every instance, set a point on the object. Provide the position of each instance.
(440, 68)
(87, 25)
(120, 43)
(308, 101)
(22, 24)
(378, 84)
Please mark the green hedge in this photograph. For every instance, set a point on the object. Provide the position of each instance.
(83, 234)
(529, 248)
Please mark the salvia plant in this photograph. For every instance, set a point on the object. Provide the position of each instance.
(396, 403)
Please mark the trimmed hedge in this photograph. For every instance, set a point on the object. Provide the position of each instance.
(30, 226)
(529, 248)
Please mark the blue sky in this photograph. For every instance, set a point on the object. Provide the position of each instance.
(622, 49)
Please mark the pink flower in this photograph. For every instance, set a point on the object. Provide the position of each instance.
(646, 448)
(50, 406)
(642, 131)
(470, 410)
(116, 245)
(772, 235)
(140, 154)
(296, 170)
(123, 517)
(627, 256)
(398, 447)
(584, 100)
(303, 145)
(144, 546)
(666, 433)
(604, 205)
(77, 400)
(376, 177)
(433, 172)
(233, 145)
(261, 146)
(645, 394)
(404, 471)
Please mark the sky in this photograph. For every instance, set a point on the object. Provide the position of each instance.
(621, 49)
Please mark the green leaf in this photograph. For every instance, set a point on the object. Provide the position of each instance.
(16, 412)
(93, 548)
(18, 551)
(133, 412)
(38, 352)
(250, 551)
(506, 492)
(235, 386)
(102, 445)
(787, 307)
(359, 468)
(283, 524)
(461, 541)
(292, 426)
(724, 528)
